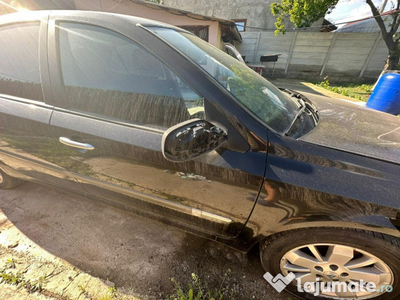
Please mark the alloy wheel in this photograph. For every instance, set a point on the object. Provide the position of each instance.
(329, 263)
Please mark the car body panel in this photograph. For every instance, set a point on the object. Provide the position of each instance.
(128, 161)
(257, 184)
(348, 127)
(126, 167)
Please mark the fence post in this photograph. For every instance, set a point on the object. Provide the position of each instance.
(328, 54)
(256, 47)
(291, 52)
(371, 53)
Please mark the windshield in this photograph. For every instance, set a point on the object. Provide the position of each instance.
(260, 97)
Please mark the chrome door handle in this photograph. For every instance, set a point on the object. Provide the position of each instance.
(68, 142)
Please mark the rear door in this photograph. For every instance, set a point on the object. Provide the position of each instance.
(26, 145)
(115, 98)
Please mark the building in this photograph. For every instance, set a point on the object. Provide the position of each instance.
(212, 29)
(369, 24)
(249, 15)
(10, 6)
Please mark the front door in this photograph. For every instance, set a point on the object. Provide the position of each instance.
(118, 100)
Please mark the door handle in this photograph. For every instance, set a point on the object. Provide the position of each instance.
(71, 143)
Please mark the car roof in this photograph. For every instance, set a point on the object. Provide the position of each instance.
(23, 16)
(26, 16)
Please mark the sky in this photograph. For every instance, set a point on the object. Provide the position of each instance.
(351, 10)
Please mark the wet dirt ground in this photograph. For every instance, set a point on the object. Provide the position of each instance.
(138, 255)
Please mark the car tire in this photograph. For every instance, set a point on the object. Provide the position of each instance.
(8, 182)
(334, 254)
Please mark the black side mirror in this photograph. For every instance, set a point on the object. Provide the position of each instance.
(191, 139)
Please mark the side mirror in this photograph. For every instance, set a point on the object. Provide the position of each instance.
(190, 139)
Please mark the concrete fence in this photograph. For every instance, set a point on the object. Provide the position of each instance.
(343, 56)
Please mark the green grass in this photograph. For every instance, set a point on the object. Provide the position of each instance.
(359, 91)
(12, 279)
(199, 290)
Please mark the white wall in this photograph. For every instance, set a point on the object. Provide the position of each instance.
(317, 53)
(257, 12)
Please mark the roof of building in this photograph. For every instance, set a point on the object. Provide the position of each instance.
(368, 24)
(327, 26)
(228, 27)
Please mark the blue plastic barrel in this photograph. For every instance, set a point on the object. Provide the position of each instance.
(386, 95)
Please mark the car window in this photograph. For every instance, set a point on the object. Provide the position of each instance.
(106, 73)
(19, 61)
(266, 102)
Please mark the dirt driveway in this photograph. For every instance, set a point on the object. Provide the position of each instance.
(139, 256)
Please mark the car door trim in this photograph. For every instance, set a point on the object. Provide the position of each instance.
(23, 109)
(158, 201)
(108, 120)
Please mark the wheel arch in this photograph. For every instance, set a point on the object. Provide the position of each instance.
(378, 224)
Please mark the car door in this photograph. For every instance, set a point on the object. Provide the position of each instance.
(26, 145)
(114, 100)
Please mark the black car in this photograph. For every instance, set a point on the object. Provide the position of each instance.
(151, 119)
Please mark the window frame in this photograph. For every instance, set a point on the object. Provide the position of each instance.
(244, 21)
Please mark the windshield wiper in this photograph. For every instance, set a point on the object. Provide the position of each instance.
(298, 114)
(297, 95)
(305, 104)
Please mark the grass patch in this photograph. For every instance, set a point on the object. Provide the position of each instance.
(19, 280)
(359, 91)
(12, 279)
(199, 290)
(111, 295)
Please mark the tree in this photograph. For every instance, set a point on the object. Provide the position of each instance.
(303, 13)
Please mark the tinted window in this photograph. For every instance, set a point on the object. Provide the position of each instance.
(264, 100)
(19, 62)
(108, 74)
